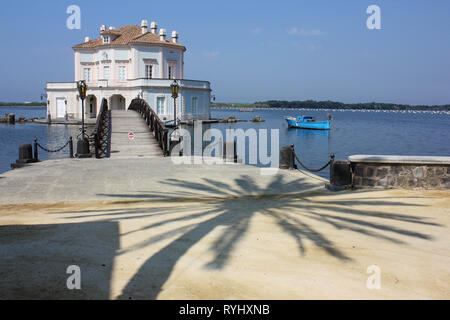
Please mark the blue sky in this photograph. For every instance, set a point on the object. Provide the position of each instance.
(251, 50)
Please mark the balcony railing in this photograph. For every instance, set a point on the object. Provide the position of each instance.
(141, 82)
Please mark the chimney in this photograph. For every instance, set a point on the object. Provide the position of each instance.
(86, 39)
(175, 36)
(162, 35)
(102, 28)
(153, 27)
(144, 26)
(111, 28)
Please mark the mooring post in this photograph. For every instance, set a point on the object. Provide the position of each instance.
(292, 158)
(235, 159)
(71, 147)
(36, 156)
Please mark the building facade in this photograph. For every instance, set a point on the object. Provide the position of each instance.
(126, 63)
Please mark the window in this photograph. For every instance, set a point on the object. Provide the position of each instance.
(172, 74)
(105, 39)
(87, 74)
(106, 72)
(148, 71)
(160, 101)
(122, 73)
(194, 105)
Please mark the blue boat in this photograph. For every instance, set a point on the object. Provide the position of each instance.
(306, 122)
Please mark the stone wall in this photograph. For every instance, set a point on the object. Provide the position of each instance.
(395, 174)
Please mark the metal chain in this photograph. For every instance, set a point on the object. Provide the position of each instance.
(312, 170)
(48, 150)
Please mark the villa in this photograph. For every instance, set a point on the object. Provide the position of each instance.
(126, 63)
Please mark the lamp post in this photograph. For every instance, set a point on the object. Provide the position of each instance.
(83, 143)
(175, 88)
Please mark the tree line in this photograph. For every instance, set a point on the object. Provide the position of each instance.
(22, 104)
(311, 104)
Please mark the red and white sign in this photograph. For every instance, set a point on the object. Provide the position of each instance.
(131, 135)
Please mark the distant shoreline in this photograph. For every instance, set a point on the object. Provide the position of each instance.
(22, 106)
(33, 104)
(329, 105)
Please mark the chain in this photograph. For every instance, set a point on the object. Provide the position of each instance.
(48, 150)
(312, 170)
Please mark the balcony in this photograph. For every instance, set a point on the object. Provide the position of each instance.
(135, 83)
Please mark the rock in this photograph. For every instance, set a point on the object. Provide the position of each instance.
(11, 118)
(257, 119)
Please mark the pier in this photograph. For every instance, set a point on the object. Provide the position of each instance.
(131, 136)
(147, 228)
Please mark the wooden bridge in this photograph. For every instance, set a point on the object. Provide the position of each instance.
(136, 132)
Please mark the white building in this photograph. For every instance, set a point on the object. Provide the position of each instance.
(123, 64)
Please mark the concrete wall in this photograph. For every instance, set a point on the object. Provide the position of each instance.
(406, 173)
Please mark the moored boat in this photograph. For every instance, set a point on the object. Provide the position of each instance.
(307, 122)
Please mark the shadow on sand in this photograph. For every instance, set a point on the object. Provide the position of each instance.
(231, 212)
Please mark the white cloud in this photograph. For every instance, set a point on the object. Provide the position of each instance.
(211, 54)
(303, 32)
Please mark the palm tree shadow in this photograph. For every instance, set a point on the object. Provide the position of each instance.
(232, 217)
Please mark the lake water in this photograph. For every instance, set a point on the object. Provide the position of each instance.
(352, 132)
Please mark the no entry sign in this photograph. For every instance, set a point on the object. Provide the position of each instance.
(131, 135)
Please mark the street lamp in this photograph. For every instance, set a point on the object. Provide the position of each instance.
(83, 143)
(175, 88)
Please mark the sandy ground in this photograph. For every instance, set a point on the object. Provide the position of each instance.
(309, 245)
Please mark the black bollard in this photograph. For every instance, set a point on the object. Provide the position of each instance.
(285, 157)
(83, 148)
(71, 147)
(36, 155)
(25, 156)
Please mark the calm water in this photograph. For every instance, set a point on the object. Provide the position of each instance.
(11, 136)
(352, 133)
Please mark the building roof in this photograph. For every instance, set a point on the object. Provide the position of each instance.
(128, 35)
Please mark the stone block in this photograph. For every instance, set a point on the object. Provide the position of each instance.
(396, 169)
(370, 171)
(439, 171)
(368, 182)
(357, 181)
(445, 183)
(391, 181)
(419, 172)
(402, 181)
(412, 183)
(383, 182)
(432, 182)
(359, 170)
(382, 172)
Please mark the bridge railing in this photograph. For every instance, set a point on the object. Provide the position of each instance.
(102, 131)
(156, 125)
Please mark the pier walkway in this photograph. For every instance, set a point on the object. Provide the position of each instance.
(150, 228)
(143, 142)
